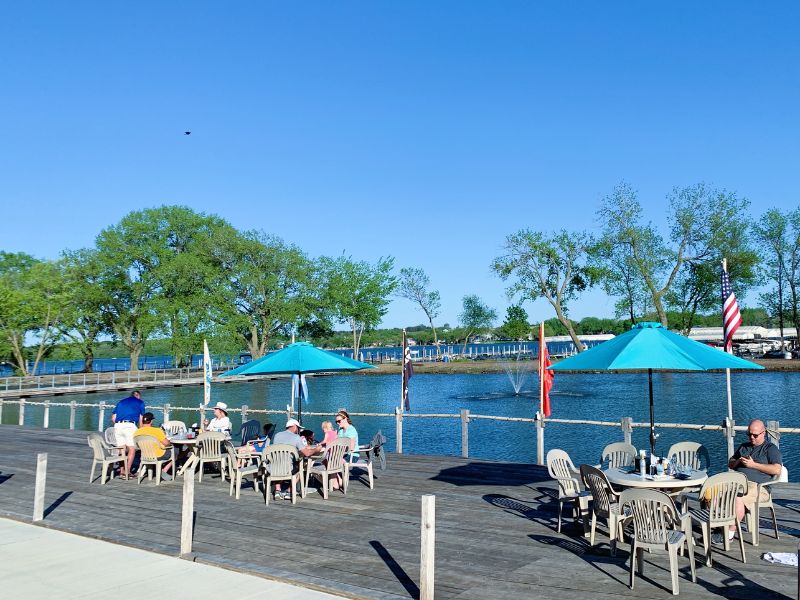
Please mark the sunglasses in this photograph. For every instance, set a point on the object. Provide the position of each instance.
(751, 434)
(339, 420)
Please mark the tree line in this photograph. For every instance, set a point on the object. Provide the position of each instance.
(173, 273)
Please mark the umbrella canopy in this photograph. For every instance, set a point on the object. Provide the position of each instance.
(652, 347)
(297, 359)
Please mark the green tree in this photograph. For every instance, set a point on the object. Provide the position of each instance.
(475, 317)
(414, 285)
(32, 303)
(778, 234)
(556, 267)
(272, 290)
(162, 275)
(85, 318)
(357, 292)
(705, 225)
(516, 325)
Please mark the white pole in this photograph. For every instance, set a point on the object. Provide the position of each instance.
(38, 494)
(427, 545)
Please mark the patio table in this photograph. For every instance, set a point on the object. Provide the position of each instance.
(622, 476)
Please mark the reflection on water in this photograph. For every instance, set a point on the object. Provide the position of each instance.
(679, 398)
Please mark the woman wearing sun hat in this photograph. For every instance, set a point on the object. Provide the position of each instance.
(220, 422)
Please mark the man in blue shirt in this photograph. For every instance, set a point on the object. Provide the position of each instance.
(127, 418)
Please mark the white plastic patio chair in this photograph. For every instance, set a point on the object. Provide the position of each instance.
(332, 463)
(110, 438)
(690, 454)
(105, 455)
(152, 454)
(618, 454)
(560, 467)
(753, 517)
(209, 451)
(236, 472)
(720, 509)
(364, 462)
(174, 427)
(657, 526)
(282, 463)
(605, 503)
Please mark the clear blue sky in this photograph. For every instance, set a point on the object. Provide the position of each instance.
(426, 131)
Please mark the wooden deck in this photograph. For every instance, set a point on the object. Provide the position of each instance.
(495, 530)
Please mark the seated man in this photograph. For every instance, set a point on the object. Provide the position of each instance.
(760, 460)
(148, 428)
(291, 435)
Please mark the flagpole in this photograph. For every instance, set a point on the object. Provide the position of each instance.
(402, 371)
(729, 433)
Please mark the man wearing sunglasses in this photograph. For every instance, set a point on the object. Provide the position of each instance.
(760, 460)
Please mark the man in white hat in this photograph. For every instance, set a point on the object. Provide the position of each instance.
(291, 436)
(220, 422)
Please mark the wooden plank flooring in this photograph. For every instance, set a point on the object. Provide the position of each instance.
(495, 530)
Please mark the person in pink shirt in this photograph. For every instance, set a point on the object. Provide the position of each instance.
(329, 432)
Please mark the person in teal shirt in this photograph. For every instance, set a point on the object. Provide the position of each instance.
(347, 430)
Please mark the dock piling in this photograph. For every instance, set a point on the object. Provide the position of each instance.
(38, 494)
(398, 424)
(465, 433)
(427, 547)
(187, 510)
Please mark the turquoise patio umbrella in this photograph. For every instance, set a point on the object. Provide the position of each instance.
(298, 359)
(652, 347)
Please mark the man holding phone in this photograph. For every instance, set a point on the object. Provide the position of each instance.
(760, 460)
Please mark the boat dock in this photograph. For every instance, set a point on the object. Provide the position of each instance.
(495, 530)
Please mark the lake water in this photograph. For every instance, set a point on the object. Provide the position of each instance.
(679, 398)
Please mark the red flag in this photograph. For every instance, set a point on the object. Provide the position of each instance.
(545, 376)
(548, 380)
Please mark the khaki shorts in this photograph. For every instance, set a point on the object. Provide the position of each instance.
(749, 498)
(124, 433)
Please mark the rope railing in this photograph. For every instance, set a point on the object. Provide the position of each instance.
(465, 416)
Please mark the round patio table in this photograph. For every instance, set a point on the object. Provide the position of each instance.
(624, 478)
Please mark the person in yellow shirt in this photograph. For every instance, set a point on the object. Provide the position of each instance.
(148, 428)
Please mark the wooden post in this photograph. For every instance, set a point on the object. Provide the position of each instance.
(773, 426)
(187, 511)
(69, 380)
(245, 408)
(1, 411)
(427, 547)
(166, 411)
(22, 411)
(101, 419)
(627, 429)
(464, 433)
(539, 438)
(46, 419)
(72, 415)
(202, 417)
(113, 377)
(398, 422)
(38, 494)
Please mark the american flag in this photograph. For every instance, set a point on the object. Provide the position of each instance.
(408, 371)
(731, 317)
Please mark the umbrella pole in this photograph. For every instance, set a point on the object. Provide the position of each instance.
(652, 413)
